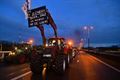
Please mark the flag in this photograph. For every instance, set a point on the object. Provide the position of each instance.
(26, 6)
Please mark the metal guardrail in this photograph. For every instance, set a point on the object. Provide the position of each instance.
(112, 53)
(110, 56)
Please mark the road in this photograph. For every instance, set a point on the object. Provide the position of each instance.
(83, 67)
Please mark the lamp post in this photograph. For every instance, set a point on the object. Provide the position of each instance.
(88, 29)
(1, 46)
(81, 43)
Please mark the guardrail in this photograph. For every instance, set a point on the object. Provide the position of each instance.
(108, 55)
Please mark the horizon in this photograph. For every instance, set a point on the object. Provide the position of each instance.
(85, 45)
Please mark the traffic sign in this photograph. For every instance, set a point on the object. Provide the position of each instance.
(37, 16)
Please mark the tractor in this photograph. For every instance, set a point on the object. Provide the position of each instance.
(55, 56)
(55, 53)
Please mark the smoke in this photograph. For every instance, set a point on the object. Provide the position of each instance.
(78, 34)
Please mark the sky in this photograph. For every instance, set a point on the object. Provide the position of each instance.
(70, 17)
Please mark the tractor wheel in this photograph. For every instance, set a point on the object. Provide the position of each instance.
(60, 64)
(67, 60)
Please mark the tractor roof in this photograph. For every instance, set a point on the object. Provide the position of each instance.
(56, 38)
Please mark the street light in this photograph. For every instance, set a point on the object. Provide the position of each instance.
(31, 41)
(26, 48)
(70, 43)
(88, 29)
(16, 48)
(81, 43)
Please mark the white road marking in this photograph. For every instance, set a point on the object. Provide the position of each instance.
(11, 74)
(20, 76)
(16, 72)
(105, 63)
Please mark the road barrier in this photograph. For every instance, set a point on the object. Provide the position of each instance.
(111, 56)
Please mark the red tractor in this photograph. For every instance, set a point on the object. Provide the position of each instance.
(56, 56)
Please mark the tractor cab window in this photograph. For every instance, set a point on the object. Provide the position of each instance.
(56, 43)
(52, 43)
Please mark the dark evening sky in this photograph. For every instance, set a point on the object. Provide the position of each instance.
(70, 17)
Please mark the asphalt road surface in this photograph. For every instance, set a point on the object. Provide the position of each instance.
(83, 67)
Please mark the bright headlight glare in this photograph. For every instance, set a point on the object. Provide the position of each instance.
(12, 53)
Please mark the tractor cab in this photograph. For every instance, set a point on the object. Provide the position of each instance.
(56, 42)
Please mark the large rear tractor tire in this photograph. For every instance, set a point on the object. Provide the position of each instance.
(60, 64)
(67, 60)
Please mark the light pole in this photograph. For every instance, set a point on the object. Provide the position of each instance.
(1, 46)
(88, 29)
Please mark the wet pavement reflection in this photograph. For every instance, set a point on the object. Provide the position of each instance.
(83, 67)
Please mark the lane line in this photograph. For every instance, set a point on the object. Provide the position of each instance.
(105, 64)
(17, 71)
(20, 76)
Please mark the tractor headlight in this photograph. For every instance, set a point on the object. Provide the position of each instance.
(12, 53)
